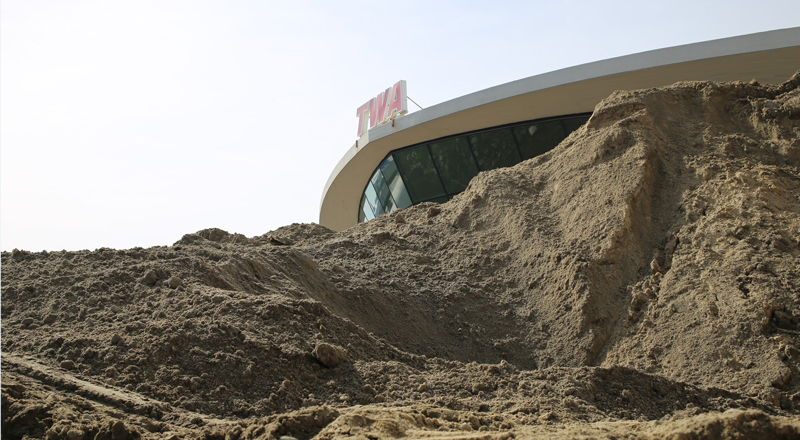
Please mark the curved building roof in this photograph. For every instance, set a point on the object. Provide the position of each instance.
(768, 57)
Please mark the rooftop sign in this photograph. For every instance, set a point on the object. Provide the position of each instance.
(383, 108)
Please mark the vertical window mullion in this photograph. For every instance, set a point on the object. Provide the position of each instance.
(369, 183)
(516, 143)
(388, 187)
(474, 157)
(436, 167)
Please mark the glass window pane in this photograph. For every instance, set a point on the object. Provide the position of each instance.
(455, 163)
(365, 212)
(395, 182)
(539, 138)
(495, 149)
(384, 196)
(419, 174)
(372, 199)
(573, 124)
(368, 215)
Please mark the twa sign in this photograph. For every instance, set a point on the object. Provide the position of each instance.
(385, 107)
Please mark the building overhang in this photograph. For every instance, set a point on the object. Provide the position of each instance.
(768, 57)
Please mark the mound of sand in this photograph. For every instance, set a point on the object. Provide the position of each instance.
(642, 279)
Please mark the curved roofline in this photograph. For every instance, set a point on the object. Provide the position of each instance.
(769, 57)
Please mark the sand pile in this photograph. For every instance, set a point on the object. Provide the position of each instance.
(642, 279)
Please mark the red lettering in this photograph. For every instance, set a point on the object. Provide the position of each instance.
(362, 121)
(378, 113)
(399, 106)
(387, 105)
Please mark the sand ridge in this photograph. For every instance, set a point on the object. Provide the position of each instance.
(643, 278)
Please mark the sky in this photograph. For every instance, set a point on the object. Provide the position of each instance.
(131, 123)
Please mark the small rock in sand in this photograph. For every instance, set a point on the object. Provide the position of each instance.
(330, 355)
(149, 278)
(174, 282)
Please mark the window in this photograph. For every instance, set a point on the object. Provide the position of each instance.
(437, 171)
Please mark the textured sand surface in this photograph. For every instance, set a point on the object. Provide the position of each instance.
(642, 279)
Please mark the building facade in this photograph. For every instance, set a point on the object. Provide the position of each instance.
(432, 154)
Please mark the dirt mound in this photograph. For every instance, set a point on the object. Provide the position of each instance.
(642, 278)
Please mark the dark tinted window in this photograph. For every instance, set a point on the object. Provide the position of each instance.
(437, 171)
(539, 138)
(455, 163)
(419, 174)
(495, 149)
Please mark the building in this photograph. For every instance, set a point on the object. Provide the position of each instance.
(431, 154)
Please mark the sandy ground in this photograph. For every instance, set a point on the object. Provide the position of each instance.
(641, 280)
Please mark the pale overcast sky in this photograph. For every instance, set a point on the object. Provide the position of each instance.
(131, 123)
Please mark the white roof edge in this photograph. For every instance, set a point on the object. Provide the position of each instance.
(741, 44)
